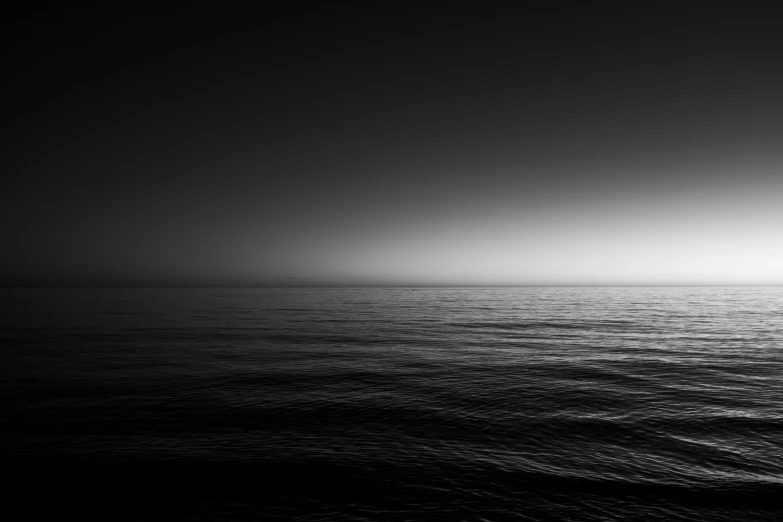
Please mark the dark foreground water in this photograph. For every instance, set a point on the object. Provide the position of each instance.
(392, 404)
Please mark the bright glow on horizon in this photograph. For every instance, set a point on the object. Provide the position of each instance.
(729, 237)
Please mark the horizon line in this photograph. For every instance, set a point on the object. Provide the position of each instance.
(543, 285)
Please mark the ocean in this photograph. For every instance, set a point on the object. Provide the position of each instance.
(392, 404)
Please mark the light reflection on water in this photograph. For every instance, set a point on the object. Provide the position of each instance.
(393, 404)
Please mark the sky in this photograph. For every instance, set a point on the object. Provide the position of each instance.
(393, 147)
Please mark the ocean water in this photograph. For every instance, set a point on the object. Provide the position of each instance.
(392, 404)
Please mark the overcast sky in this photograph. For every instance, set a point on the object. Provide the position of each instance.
(368, 147)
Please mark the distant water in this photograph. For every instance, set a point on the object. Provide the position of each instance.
(399, 404)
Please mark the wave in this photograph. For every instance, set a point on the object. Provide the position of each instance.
(385, 405)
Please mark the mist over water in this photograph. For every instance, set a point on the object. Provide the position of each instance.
(384, 404)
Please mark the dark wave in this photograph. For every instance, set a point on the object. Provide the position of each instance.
(365, 405)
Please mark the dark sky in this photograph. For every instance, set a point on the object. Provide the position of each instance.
(393, 147)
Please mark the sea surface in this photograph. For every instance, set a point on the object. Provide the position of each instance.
(392, 404)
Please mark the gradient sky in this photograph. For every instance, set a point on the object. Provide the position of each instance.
(396, 147)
